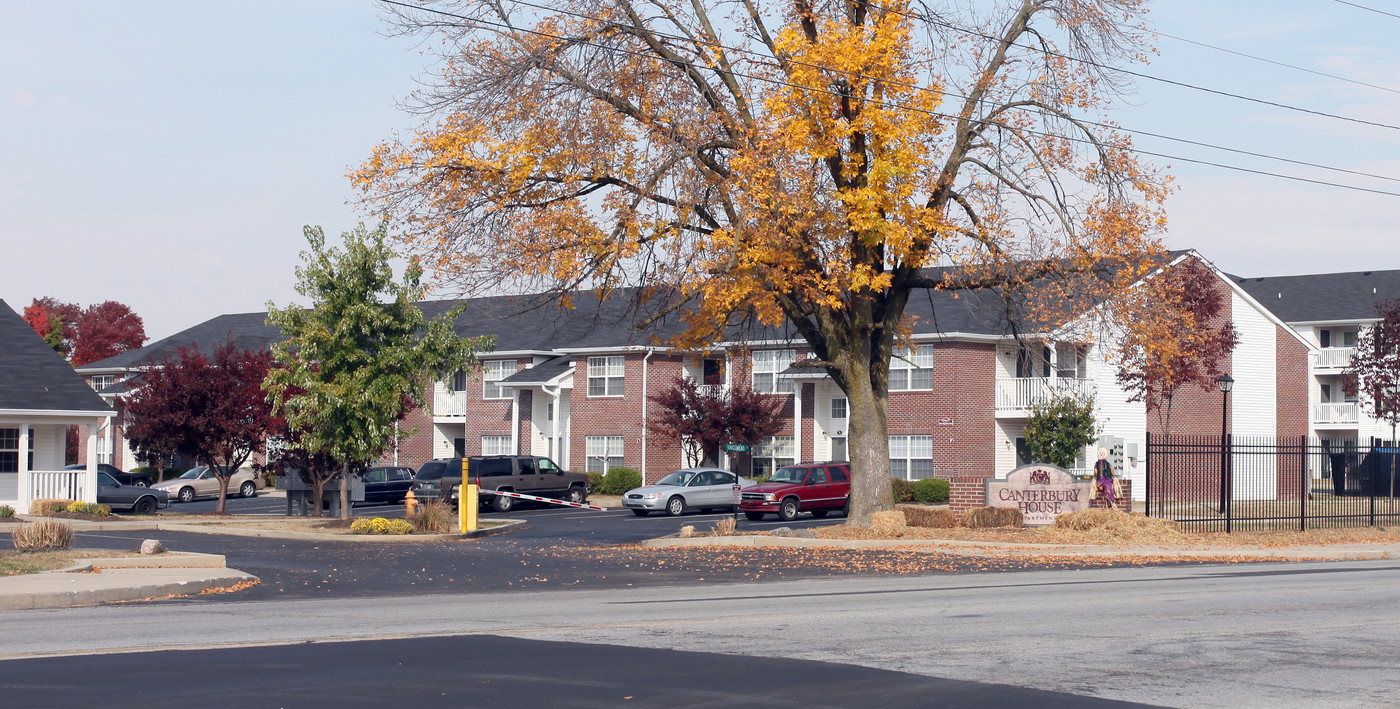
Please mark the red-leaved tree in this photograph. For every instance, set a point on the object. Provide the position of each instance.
(106, 329)
(1374, 372)
(214, 411)
(55, 321)
(702, 418)
(1173, 334)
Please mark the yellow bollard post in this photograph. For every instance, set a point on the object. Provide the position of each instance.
(469, 503)
(410, 504)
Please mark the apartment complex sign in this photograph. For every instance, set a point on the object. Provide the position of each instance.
(1041, 491)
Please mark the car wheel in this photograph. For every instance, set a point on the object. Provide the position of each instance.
(144, 506)
(248, 489)
(141, 482)
(503, 503)
(787, 511)
(754, 516)
(641, 513)
(186, 494)
(846, 510)
(576, 494)
(819, 513)
(675, 506)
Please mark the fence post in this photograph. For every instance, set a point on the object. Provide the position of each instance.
(1148, 486)
(1371, 478)
(1229, 492)
(1304, 483)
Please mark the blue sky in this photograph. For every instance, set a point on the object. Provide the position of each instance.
(167, 154)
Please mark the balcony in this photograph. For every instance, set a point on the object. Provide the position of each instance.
(449, 403)
(1343, 414)
(1332, 358)
(1019, 395)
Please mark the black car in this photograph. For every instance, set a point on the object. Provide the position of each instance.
(141, 500)
(132, 479)
(388, 484)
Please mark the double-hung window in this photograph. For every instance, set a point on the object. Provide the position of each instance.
(9, 450)
(605, 376)
(603, 452)
(912, 369)
(495, 445)
(766, 365)
(492, 374)
(773, 453)
(911, 457)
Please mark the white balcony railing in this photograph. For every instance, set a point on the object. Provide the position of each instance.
(58, 485)
(1026, 392)
(449, 403)
(1344, 413)
(1333, 357)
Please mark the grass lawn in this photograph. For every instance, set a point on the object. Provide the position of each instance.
(14, 562)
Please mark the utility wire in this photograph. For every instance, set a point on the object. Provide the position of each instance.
(1370, 9)
(1278, 63)
(500, 26)
(768, 63)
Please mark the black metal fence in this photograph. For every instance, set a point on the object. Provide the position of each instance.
(1228, 483)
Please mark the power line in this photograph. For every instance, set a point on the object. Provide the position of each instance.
(1278, 63)
(652, 57)
(1369, 9)
(915, 87)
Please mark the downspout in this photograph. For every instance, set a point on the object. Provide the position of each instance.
(644, 414)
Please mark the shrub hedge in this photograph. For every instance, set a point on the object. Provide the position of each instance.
(934, 490)
(620, 480)
(903, 490)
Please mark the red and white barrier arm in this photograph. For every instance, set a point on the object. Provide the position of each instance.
(550, 500)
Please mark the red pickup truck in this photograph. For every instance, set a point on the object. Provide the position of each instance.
(818, 488)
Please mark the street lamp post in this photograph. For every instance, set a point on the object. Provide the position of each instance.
(1226, 383)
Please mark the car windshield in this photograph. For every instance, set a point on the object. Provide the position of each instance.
(678, 478)
(788, 475)
(192, 473)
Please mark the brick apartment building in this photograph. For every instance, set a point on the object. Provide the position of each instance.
(575, 385)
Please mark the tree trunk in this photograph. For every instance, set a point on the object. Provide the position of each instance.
(318, 491)
(869, 445)
(345, 492)
(223, 492)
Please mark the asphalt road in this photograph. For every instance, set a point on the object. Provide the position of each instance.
(1274, 635)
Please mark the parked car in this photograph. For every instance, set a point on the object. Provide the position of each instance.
(818, 488)
(388, 484)
(689, 489)
(133, 498)
(132, 479)
(201, 482)
(526, 474)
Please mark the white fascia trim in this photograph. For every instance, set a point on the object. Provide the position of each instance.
(604, 350)
(105, 370)
(50, 413)
(963, 336)
(1361, 322)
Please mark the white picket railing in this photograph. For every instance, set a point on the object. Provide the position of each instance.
(57, 484)
(1344, 413)
(1333, 357)
(1026, 392)
(449, 403)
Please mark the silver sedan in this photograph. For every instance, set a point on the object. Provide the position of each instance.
(689, 489)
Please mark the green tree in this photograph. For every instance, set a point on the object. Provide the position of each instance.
(1057, 430)
(351, 364)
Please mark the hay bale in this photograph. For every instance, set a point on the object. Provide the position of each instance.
(986, 517)
(934, 517)
(1108, 526)
(888, 523)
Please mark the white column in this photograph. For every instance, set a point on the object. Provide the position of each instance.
(90, 475)
(797, 421)
(23, 492)
(515, 421)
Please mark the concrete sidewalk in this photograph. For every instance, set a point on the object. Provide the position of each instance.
(110, 580)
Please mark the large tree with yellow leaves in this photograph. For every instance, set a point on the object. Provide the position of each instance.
(789, 163)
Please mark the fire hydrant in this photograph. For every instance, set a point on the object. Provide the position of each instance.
(410, 504)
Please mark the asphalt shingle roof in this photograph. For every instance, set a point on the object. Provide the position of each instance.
(542, 372)
(33, 376)
(1321, 297)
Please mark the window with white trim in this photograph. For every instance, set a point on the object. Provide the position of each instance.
(494, 372)
(495, 445)
(911, 457)
(605, 375)
(458, 381)
(766, 365)
(1070, 361)
(603, 452)
(101, 381)
(911, 369)
(773, 453)
(9, 450)
(838, 408)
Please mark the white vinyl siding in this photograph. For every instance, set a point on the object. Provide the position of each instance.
(494, 372)
(606, 376)
(766, 365)
(603, 452)
(912, 369)
(911, 457)
(773, 453)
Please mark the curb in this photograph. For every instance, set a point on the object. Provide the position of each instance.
(36, 600)
(233, 531)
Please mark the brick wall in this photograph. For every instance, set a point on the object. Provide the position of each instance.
(624, 415)
(964, 389)
(1292, 382)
